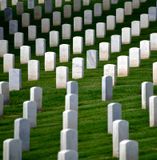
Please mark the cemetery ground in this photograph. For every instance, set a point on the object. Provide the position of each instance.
(94, 142)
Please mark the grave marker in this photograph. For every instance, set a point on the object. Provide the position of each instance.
(33, 70)
(40, 46)
(15, 79)
(30, 112)
(146, 92)
(50, 61)
(62, 76)
(128, 150)
(22, 132)
(69, 139)
(8, 62)
(36, 94)
(12, 149)
(113, 113)
(122, 66)
(92, 59)
(110, 70)
(77, 68)
(4, 90)
(106, 88)
(120, 133)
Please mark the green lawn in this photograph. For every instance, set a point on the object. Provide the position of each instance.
(94, 142)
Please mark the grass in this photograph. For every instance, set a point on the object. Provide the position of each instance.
(94, 142)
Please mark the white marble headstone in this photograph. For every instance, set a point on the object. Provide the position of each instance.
(77, 68)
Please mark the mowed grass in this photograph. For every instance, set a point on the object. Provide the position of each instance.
(94, 142)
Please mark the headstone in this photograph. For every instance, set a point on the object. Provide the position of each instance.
(32, 32)
(128, 150)
(88, 17)
(48, 6)
(153, 41)
(40, 46)
(56, 18)
(33, 70)
(120, 15)
(70, 119)
(15, 79)
(4, 90)
(86, 2)
(104, 51)
(97, 9)
(13, 26)
(66, 31)
(58, 3)
(62, 76)
(67, 11)
(152, 12)
(67, 155)
(154, 73)
(114, 112)
(106, 88)
(64, 53)
(1, 33)
(72, 87)
(53, 38)
(18, 39)
(77, 45)
(41, 1)
(110, 22)
(4, 47)
(77, 68)
(71, 102)
(100, 30)
(106, 5)
(3, 5)
(135, 4)
(120, 132)
(12, 149)
(89, 37)
(30, 4)
(25, 54)
(36, 94)
(110, 70)
(69, 139)
(153, 111)
(135, 28)
(145, 49)
(37, 12)
(76, 5)
(122, 66)
(134, 57)
(115, 43)
(30, 112)
(1, 104)
(19, 8)
(22, 132)
(8, 14)
(50, 61)
(14, 2)
(114, 1)
(128, 8)
(126, 35)
(25, 19)
(146, 93)
(77, 24)
(45, 25)
(92, 59)
(8, 62)
(144, 21)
